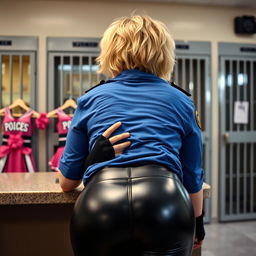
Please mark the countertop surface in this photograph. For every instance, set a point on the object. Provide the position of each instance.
(40, 188)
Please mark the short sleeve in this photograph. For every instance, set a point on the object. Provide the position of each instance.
(191, 155)
(76, 148)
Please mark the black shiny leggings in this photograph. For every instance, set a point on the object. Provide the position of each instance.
(133, 211)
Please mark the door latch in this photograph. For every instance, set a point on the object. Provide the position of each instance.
(226, 137)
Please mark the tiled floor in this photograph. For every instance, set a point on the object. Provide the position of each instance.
(230, 239)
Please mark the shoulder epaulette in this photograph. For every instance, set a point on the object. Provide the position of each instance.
(179, 88)
(100, 83)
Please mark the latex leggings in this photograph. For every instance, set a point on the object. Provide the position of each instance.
(133, 211)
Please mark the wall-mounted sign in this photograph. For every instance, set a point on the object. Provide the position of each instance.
(241, 112)
(85, 44)
(182, 46)
(5, 42)
(248, 49)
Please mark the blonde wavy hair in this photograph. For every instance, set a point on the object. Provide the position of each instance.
(137, 42)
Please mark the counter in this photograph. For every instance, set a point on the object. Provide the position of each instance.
(34, 188)
(35, 213)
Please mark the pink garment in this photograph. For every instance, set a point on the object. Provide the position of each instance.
(63, 125)
(42, 121)
(55, 160)
(15, 151)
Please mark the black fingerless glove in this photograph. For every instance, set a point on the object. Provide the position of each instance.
(200, 232)
(101, 151)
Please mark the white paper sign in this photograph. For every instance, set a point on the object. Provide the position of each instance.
(241, 112)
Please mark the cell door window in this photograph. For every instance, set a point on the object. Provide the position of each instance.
(17, 78)
(73, 75)
(18, 69)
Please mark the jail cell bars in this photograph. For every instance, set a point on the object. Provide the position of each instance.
(17, 78)
(190, 74)
(73, 75)
(238, 173)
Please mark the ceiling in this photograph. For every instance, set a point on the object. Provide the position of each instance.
(233, 3)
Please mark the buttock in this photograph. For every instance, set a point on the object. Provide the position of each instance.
(144, 208)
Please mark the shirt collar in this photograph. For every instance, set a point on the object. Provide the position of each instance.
(135, 75)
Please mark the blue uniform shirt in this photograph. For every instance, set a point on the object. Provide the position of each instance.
(159, 117)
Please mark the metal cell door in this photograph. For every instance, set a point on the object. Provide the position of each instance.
(192, 73)
(237, 89)
(18, 74)
(72, 70)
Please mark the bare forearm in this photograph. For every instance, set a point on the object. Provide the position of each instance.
(68, 184)
(197, 201)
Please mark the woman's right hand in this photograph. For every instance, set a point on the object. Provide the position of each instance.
(105, 147)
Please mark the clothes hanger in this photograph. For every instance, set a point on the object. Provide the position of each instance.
(69, 103)
(21, 104)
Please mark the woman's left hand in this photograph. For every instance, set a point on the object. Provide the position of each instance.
(118, 148)
(105, 147)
